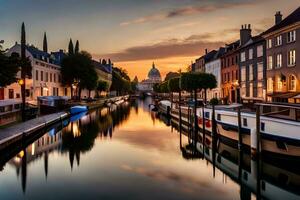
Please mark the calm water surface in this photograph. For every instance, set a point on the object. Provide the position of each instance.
(124, 153)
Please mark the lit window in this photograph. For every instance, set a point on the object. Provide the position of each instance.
(250, 72)
(279, 60)
(292, 83)
(243, 73)
(270, 84)
(279, 84)
(260, 51)
(279, 40)
(259, 90)
(291, 36)
(269, 43)
(251, 90)
(250, 54)
(260, 71)
(270, 62)
(243, 57)
(292, 58)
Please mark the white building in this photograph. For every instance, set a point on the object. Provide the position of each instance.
(46, 77)
(153, 78)
(213, 66)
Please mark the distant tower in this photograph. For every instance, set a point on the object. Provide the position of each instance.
(45, 44)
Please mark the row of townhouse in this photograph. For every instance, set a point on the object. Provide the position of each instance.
(257, 68)
(46, 76)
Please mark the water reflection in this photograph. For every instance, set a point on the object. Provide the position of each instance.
(140, 154)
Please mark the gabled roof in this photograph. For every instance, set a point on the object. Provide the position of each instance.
(289, 20)
(105, 68)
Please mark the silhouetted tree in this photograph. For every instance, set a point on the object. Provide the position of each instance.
(71, 47)
(77, 47)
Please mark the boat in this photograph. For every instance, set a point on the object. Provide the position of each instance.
(279, 127)
(10, 111)
(164, 107)
(52, 104)
(78, 109)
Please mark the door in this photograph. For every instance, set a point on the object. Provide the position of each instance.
(1, 93)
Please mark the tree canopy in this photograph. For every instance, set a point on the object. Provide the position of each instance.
(102, 86)
(171, 75)
(9, 68)
(120, 82)
(174, 84)
(71, 47)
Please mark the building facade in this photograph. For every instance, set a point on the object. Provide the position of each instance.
(230, 73)
(153, 78)
(45, 80)
(283, 62)
(252, 69)
(213, 66)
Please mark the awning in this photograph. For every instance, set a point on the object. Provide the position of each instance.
(284, 95)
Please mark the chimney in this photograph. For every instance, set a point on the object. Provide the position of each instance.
(206, 51)
(278, 17)
(245, 34)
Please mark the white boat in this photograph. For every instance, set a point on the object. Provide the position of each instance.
(164, 107)
(279, 127)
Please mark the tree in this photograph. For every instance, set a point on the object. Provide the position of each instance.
(102, 86)
(45, 43)
(71, 47)
(171, 75)
(120, 84)
(77, 47)
(104, 62)
(208, 81)
(79, 69)
(25, 69)
(9, 68)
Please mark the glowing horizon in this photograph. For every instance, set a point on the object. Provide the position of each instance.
(134, 34)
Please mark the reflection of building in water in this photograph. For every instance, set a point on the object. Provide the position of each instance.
(42, 147)
(267, 178)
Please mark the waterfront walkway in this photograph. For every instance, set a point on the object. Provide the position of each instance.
(12, 134)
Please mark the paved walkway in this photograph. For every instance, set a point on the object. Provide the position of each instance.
(11, 134)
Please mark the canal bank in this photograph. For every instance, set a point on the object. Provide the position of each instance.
(21, 131)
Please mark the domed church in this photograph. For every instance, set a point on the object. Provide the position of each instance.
(154, 74)
(153, 77)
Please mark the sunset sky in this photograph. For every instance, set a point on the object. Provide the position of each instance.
(134, 33)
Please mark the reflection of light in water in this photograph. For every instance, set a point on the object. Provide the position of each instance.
(21, 154)
(17, 159)
(32, 149)
(76, 131)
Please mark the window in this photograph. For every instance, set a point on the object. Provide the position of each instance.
(279, 84)
(250, 54)
(291, 36)
(270, 62)
(250, 72)
(279, 60)
(46, 76)
(269, 43)
(251, 90)
(11, 93)
(36, 75)
(243, 73)
(50, 77)
(279, 40)
(42, 76)
(270, 84)
(292, 83)
(260, 51)
(292, 58)
(54, 78)
(245, 122)
(262, 126)
(260, 71)
(243, 90)
(243, 57)
(259, 90)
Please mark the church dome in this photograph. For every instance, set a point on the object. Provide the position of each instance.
(154, 73)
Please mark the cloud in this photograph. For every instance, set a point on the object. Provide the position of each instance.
(191, 10)
(164, 49)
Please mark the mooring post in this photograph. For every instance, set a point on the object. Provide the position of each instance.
(258, 144)
(239, 129)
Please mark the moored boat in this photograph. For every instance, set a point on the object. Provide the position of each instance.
(78, 109)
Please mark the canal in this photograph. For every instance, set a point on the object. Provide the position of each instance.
(128, 152)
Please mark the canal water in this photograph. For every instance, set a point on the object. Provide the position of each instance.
(129, 152)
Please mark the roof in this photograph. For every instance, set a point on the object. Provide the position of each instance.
(289, 20)
(105, 68)
(253, 40)
(154, 72)
(58, 56)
